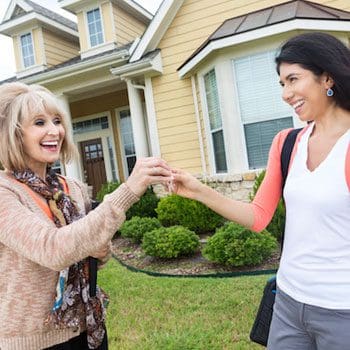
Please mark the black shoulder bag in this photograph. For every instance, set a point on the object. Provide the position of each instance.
(261, 327)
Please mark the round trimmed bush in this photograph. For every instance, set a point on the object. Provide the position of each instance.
(136, 227)
(236, 245)
(175, 210)
(170, 242)
(145, 207)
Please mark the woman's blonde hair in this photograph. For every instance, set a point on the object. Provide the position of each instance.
(18, 102)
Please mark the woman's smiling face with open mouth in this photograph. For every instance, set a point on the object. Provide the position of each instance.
(43, 136)
(304, 91)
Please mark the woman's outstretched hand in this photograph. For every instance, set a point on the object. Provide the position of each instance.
(184, 184)
(148, 171)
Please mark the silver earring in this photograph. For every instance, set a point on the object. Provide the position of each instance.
(330, 92)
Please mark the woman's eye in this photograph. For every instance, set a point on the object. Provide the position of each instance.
(57, 121)
(39, 122)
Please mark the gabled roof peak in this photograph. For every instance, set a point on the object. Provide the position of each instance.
(18, 8)
(260, 19)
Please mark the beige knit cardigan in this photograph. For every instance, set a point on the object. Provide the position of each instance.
(33, 251)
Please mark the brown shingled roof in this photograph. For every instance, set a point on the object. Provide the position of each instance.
(287, 11)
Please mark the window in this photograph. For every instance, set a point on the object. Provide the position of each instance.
(262, 110)
(127, 140)
(215, 121)
(56, 167)
(111, 159)
(95, 27)
(27, 50)
(90, 125)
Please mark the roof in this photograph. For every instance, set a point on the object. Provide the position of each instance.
(73, 61)
(156, 29)
(295, 9)
(36, 8)
(52, 15)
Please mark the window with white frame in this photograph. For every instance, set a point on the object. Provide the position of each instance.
(94, 23)
(262, 109)
(27, 50)
(215, 121)
(127, 140)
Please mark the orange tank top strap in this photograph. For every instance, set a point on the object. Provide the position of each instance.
(42, 204)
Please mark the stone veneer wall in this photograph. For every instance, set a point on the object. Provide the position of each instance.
(237, 186)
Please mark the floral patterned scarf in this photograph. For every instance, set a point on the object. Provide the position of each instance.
(73, 284)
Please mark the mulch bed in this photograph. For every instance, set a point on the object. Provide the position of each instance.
(131, 254)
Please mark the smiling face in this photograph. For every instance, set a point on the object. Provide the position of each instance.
(43, 136)
(305, 91)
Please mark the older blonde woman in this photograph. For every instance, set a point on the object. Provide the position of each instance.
(47, 231)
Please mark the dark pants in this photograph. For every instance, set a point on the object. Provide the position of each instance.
(79, 343)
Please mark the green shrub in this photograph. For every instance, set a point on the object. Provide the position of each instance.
(106, 188)
(145, 207)
(175, 210)
(277, 223)
(136, 227)
(170, 242)
(236, 245)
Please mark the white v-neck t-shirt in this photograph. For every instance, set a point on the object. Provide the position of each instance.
(315, 264)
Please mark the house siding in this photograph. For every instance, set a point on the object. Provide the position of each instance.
(107, 22)
(127, 27)
(17, 52)
(83, 35)
(94, 105)
(192, 25)
(57, 48)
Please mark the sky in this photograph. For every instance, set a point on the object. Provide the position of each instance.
(7, 66)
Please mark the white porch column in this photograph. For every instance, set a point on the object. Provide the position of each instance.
(137, 120)
(72, 168)
(152, 120)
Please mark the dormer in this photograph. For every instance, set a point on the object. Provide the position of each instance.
(105, 25)
(41, 37)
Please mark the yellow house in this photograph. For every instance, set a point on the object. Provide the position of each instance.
(195, 84)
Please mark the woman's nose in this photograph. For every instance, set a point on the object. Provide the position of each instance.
(287, 94)
(53, 129)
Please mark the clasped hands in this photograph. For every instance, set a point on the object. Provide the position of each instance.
(152, 170)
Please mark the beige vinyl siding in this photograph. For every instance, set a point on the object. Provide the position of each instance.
(127, 27)
(83, 35)
(58, 49)
(17, 52)
(107, 20)
(38, 49)
(94, 105)
(193, 24)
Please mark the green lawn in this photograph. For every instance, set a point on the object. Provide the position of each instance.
(152, 313)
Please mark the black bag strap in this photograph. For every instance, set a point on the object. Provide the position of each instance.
(286, 153)
(93, 264)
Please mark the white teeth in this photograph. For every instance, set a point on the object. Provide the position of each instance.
(50, 143)
(297, 104)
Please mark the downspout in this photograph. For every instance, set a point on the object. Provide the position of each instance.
(199, 129)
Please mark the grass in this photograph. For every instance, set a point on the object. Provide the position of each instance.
(167, 313)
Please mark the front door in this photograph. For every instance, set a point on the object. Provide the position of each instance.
(94, 165)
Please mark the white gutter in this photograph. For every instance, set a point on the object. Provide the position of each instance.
(78, 68)
(296, 24)
(151, 66)
(198, 121)
(156, 29)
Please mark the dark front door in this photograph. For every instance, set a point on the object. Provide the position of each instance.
(94, 165)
